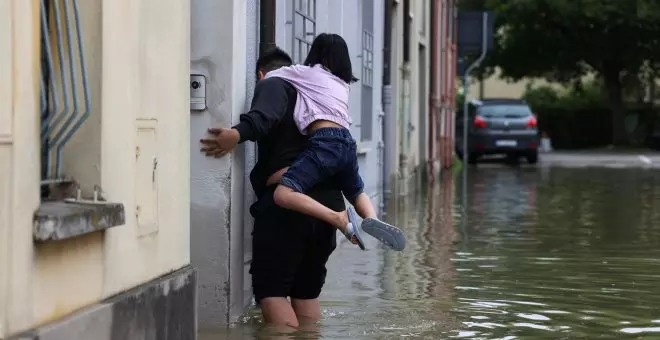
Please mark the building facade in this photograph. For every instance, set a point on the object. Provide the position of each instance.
(402, 109)
(95, 243)
(224, 48)
(419, 91)
(111, 98)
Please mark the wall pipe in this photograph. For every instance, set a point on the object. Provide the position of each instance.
(389, 120)
(453, 76)
(448, 117)
(433, 93)
(441, 84)
(267, 13)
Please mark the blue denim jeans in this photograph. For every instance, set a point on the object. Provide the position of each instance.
(331, 153)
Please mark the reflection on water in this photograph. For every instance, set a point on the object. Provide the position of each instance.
(546, 253)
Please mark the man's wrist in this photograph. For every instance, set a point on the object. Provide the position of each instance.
(242, 131)
(235, 134)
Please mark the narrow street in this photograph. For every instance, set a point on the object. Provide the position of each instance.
(546, 250)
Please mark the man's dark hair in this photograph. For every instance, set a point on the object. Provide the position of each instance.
(331, 51)
(273, 59)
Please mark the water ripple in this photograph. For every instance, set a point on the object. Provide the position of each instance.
(545, 253)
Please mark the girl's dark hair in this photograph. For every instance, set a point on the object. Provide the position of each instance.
(331, 51)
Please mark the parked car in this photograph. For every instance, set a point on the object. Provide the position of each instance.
(499, 126)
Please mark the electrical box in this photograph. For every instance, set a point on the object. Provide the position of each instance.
(197, 92)
(146, 176)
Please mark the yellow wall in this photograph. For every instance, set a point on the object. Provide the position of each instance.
(138, 61)
(495, 87)
(6, 145)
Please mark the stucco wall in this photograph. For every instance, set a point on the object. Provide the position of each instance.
(144, 76)
(82, 155)
(6, 148)
(243, 297)
(220, 192)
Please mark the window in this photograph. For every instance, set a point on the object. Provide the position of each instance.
(304, 28)
(367, 58)
(65, 105)
(505, 110)
(367, 75)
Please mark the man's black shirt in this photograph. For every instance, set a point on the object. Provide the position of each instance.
(270, 123)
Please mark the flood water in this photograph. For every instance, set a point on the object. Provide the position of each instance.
(546, 253)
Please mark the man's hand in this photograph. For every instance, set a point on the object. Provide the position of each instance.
(223, 142)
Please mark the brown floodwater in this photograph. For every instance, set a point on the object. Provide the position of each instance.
(552, 253)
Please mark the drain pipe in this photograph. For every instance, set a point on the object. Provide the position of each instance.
(447, 17)
(389, 121)
(403, 93)
(451, 17)
(266, 25)
(454, 18)
(433, 95)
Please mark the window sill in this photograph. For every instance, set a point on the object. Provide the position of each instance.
(60, 220)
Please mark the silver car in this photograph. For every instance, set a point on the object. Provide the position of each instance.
(499, 126)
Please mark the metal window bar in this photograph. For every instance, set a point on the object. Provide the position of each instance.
(367, 79)
(60, 122)
(305, 12)
(366, 122)
(367, 58)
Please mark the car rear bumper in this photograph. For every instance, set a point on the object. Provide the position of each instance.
(504, 143)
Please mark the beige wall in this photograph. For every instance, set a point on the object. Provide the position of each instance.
(496, 87)
(139, 67)
(6, 148)
(87, 141)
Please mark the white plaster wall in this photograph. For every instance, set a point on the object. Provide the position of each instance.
(371, 167)
(282, 24)
(219, 52)
(243, 297)
(144, 72)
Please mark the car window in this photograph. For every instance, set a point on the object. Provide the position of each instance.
(505, 110)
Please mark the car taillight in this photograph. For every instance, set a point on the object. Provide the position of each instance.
(479, 122)
(532, 123)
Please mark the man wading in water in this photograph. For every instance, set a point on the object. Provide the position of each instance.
(290, 250)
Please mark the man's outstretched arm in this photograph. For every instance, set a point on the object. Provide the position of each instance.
(269, 105)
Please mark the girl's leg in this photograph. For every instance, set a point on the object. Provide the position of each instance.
(364, 207)
(287, 198)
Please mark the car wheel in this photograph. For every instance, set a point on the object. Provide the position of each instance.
(532, 157)
(472, 158)
(512, 158)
